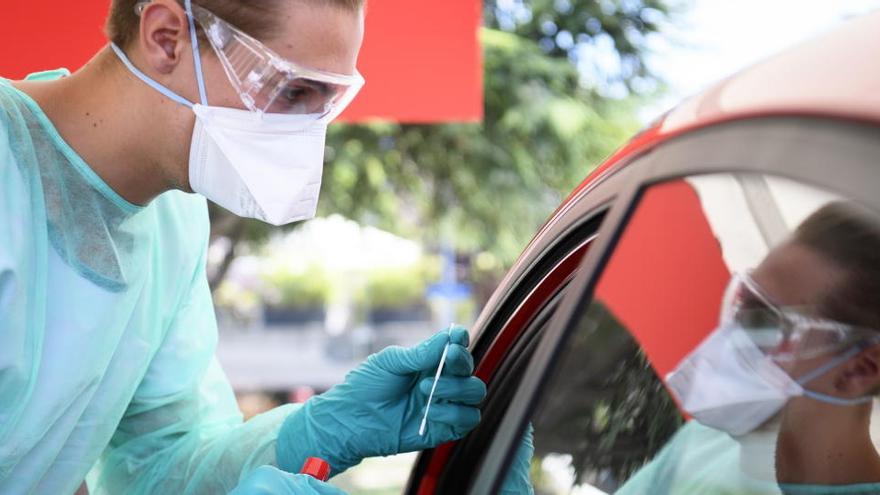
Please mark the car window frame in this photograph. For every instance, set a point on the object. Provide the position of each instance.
(578, 235)
(469, 452)
(775, 143)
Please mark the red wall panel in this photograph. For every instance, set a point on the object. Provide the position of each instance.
(421, 58)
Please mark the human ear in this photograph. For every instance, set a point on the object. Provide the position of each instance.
(164, 34)
(861, 374)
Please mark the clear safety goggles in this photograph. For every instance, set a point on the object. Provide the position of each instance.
(785, 334)
(268, 83)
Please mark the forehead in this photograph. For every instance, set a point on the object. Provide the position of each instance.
(795, 275)
(319, 35)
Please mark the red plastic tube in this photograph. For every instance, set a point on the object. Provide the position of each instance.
(316, 468)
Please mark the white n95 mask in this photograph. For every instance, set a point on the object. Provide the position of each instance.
(729, 384)
(265, 166)
(256, 165)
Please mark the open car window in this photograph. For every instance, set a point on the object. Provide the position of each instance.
(729, 347)
(469, 451)
(503, 351)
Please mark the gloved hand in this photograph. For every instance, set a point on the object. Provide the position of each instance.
(268, 480)
(517, 481)
(378, 409)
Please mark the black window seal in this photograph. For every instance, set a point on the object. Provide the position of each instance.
(584, 228)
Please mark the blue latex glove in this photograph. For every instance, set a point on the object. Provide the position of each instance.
(378, 409)
(517, 481)
(268, 480)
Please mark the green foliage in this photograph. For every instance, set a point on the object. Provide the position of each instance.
(571, 28)
(491, 184)
(236, 298)
(397, 288)
(289, 289)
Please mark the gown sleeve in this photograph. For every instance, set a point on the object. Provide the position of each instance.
(183, 431)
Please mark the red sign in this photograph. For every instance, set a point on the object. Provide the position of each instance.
(421, 58)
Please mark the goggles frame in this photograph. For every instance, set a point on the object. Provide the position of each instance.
(792, 325)
(260, 76)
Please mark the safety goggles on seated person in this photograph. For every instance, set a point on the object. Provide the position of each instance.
(266, 82)
(784, 333)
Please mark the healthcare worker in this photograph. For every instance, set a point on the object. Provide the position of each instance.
(107, 330)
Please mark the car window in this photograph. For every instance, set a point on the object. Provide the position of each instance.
(731, 345)
(469, 451)
(508, 342)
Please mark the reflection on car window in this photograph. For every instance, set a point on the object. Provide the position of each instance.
(623, 414)
(732, 345)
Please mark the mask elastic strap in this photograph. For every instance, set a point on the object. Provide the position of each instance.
(830, 365)
(197, 57)
(825, 368)
(837, 401)
(149, 81)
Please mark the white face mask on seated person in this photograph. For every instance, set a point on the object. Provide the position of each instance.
(265, 162)
(732, 382)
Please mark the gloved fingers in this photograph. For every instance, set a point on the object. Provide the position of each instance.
(527, 445)
(470, 390)
(458, 335)
(459, 361)
(426, 355)
(517, 480)
(460, 418)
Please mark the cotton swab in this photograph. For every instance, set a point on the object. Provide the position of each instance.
(436, 379)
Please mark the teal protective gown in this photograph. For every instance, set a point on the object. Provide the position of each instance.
(107, 332)
(702, 460)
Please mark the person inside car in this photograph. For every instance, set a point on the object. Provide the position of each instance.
(780, 394)
(789, 375)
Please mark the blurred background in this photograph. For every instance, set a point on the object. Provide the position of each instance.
(418, 222)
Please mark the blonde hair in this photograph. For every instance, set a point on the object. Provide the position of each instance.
(256, 17)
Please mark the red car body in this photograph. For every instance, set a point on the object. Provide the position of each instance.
(835, 76)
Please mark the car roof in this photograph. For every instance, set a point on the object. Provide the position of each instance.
(834, 75)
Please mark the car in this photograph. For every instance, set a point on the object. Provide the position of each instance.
(625, 279)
